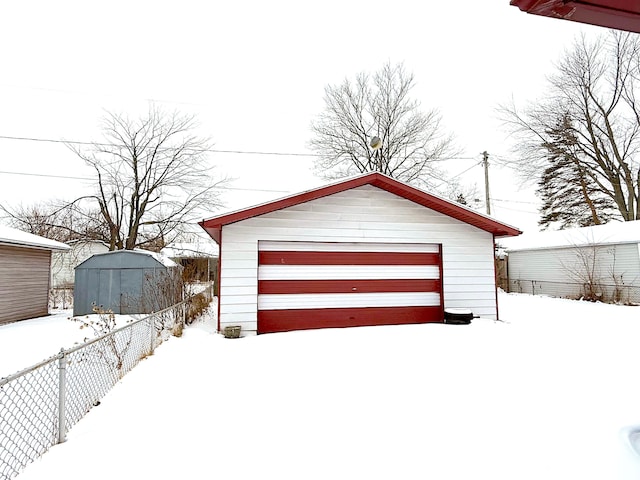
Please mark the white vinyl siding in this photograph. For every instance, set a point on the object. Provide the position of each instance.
(365, 214)
(63, 264)
(24, 283)
(561, 271)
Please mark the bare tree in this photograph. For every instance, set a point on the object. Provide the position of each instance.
(411, 141)
(594, 89)
(151, 176)
(55, 220)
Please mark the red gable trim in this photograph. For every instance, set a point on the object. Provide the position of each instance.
(213, 226)
(618, 14)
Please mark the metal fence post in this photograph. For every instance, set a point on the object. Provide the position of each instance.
(62, 393)
(152, 327)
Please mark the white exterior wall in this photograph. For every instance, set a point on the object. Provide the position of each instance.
(363, 214)
(64, 263)
(561, 271)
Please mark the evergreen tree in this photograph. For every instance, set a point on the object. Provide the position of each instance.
(570, 197)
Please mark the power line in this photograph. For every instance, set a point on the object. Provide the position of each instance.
(46, 175)
(517, 210)
(465, 171)
(513, 201)
(462, 172)
(78, 142)
(211, 150)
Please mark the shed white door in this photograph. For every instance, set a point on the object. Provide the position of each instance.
(306, 285)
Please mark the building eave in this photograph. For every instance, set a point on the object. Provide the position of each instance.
(213, 226)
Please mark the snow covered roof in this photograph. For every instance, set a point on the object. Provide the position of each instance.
(85, 242)
(13, 236)
(608, 234)
(164, 260)
(191, 250)
(125, 259)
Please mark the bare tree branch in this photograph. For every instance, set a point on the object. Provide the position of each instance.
(413, 142)
(151, 176)
(594, 88)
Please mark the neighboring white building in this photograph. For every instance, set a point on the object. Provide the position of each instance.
(64, 263)
(599, 263)
(365, 251)
(200, 259)
(25, 270)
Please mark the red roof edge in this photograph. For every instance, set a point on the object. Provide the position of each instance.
(618, 14)
(213, 226)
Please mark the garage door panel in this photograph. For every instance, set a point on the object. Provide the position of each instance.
(267, 246)
(347, 272)
(348, 300)
(271, 321)
(347, 258)
(348, 286)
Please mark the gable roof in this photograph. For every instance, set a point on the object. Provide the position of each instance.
(213, 226)
(608, 234)
(124, 259)
(14, 237)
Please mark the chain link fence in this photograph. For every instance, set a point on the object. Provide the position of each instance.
(61, 297)
(623, 294)
(39, 404)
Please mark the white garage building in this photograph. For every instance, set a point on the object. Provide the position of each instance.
(365, 251)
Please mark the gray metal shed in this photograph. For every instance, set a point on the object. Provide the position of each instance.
(126, 281)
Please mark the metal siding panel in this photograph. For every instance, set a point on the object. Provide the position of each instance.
(561, 271)
(24, 283)
(109, 289)
(132, 283)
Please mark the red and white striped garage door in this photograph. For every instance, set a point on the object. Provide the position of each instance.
(324, 285)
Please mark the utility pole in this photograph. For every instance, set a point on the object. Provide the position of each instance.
(485, 162)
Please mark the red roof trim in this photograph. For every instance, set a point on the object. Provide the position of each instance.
(213, 226)
(618, 14)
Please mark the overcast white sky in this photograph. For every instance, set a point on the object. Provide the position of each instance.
(254, 73)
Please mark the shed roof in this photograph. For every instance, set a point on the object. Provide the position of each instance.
(123, 259)
(15, 237)
(609, 234)
(213, 226)
(618, 14)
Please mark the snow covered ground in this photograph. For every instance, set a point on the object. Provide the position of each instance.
(23, 344)
(546, 394)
